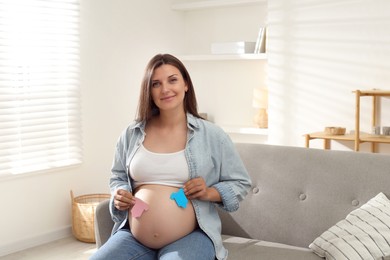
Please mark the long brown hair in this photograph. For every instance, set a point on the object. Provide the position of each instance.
(146, 107)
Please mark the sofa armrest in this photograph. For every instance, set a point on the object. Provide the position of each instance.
(103, 223)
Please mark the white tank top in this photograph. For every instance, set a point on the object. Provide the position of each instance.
(169, 169)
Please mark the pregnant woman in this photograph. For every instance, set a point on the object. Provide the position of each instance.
(171, 170)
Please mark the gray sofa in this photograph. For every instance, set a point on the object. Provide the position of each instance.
(297, 194)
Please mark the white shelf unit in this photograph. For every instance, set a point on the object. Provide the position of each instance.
(207, 4)
(196, 5)
(245, 130)
(249, 16)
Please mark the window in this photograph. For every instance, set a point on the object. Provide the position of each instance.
(39, 85)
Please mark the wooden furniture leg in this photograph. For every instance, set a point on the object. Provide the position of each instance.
(326, 144)
(307, 141)
(357, 121)
(374, 119)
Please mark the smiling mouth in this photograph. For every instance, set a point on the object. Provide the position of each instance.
(166, 98)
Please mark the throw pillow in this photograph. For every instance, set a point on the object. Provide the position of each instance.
(363, 234)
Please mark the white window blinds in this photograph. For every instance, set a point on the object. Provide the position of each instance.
(39, 85)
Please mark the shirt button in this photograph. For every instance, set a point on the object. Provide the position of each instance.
(255, 190)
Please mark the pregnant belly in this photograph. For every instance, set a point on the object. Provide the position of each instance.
(164, 222)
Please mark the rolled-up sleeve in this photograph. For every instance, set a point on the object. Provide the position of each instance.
(234, 181)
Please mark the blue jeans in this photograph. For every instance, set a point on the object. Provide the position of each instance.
(122, 245)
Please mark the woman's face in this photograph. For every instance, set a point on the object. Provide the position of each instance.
(168, 88)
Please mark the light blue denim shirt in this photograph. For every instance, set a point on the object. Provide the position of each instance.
(210, 154)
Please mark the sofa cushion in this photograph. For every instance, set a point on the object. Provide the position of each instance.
(252, 249)
(363, 234)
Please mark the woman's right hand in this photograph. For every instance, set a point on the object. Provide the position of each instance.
(123, 200)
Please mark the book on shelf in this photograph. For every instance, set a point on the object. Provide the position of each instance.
(260, 41)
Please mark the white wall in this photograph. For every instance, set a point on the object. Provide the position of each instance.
(117, 39)
(318, 53)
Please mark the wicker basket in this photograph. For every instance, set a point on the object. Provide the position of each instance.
(83, 215)
(335, 130)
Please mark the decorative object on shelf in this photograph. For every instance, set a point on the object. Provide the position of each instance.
(335, 130)
(204, 116)
(386, 130)
(260, 101)
(376, 130)
(232, 47)
(260, 41)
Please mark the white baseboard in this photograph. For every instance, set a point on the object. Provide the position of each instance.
(33, 241)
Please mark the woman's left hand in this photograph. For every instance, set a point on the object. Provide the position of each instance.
(196, 188)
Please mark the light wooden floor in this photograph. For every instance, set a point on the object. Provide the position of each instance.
(63, 249)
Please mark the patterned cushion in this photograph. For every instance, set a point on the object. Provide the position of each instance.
(363, 234)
